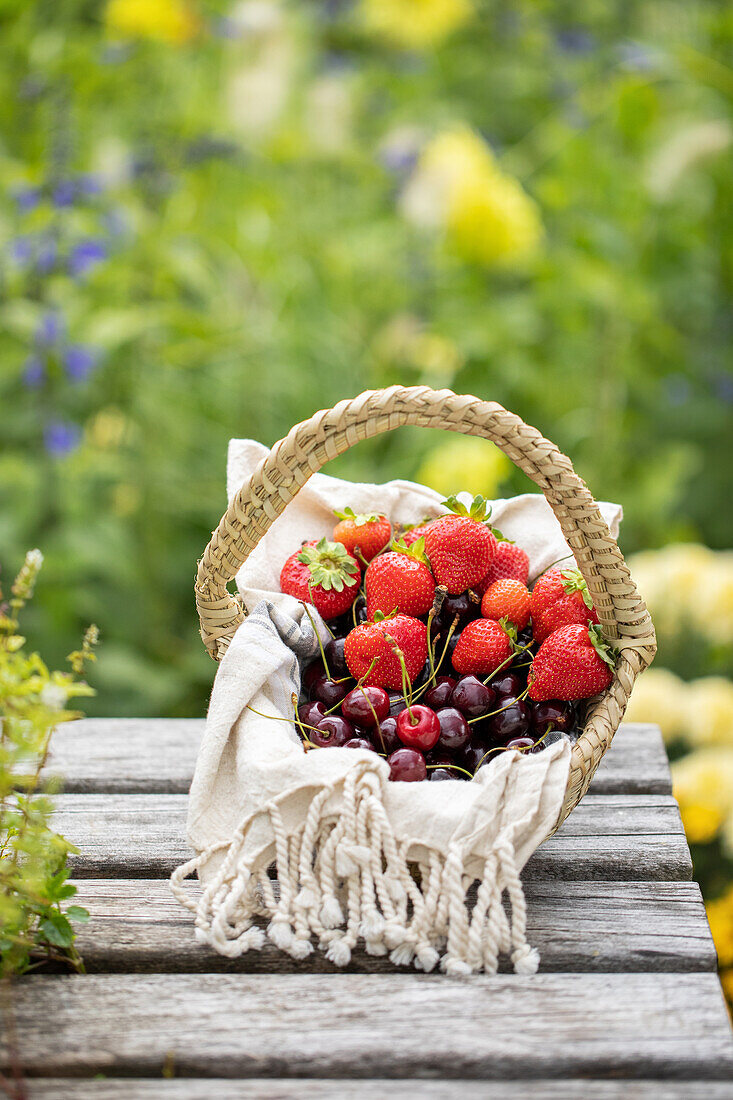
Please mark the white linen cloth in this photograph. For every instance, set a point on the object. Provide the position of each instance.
(355, 856)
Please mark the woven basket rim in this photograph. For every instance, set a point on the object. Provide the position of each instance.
(624, 618)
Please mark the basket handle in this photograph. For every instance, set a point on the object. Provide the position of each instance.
(329, 433)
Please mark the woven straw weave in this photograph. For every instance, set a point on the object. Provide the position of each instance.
(624, 618)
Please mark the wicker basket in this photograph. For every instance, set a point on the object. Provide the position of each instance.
(624, 618)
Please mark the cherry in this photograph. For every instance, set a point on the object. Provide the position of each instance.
(311, 673)
(423, 676)
(331, 732)
(472, 697)
(524, 637)
(472, 756)
(310, 714)
(455, 731)
(507, 683)
(396, 702)
(512, 721)
(440, 695)
(363, 703)
(553, 712)
(439, 775)
(418, 727)
(359, 743)
(407, 766)
(521, 743)
(330, 692)
(334, 651)
(359, 610)
(386, 738)
(437, 756)
(461, 606)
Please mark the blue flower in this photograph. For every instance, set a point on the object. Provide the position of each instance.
(50, 329)
(89, 185)
(638, 57)
(47, 255)
(21, 249)
(85, 256)
(64, 193)
(79, 362)
(27, 198)
(723, 384)
(61, 437)
(34, 372)
(575, 40)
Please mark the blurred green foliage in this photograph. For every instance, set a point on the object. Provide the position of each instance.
(203, 237)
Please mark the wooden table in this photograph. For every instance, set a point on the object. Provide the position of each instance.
(627, 1002)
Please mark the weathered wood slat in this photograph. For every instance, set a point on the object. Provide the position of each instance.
(669, 1026)
(151, 755)
(137, 925)
(606, 837)
(381, 1089)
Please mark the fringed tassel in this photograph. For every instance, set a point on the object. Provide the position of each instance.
(345, 877)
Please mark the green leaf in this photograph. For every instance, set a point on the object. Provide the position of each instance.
(57, 930)
(78, 914)
(360, 519)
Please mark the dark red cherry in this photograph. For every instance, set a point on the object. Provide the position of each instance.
(407, 766)
(335, 659)
(386, 738)
(418, 727)
(461, 607)
(310, 714)
(508, 683)
(423, 676)
(439, 775)
(366, 706)
(396, 702)
(472, 697)
(330, 692)
(331, 732)
(455, 731)
(474, 756)
(552, 712)
(440, 695)
(524, 743)
(359, 743)
(513, 720)
(311, 673)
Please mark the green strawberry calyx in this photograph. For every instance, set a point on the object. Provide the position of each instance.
(359, 519)
(572, 580)
(510, 629)
(380, 616)
(501, 538)
(479, 511)
(416, 550)
(605, 651)
(331, 565)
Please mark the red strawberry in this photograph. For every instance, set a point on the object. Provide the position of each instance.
(481, 648)
(374, 641)
(573, 663)
(400, 581)
(324, 574)
(412, 534)
(509, 561)
(508, 599)
(460, 546)
(560, 598)
(368, 533)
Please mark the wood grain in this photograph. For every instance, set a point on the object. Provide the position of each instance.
(379, 1089)
(156, 755)
(137, 925)
(627, 837)
(670, 1026)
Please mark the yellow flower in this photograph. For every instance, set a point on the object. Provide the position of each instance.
(703, 786)
(171, 21)
(415, 24)
(710, 711)
(464, 462)
(720, 917)
(486, 215)
(660, 697)
(687, 586)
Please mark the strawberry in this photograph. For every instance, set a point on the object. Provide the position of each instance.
(508, 599)
(481, 648)
(573, 663)
(460, 546)
(376, 641)
(400, 581)
(560, 598)
(412, 534)
(509, 561)
(324, 574)
(362, 535)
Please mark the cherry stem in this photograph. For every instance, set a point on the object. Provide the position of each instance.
(277, 718)
(436, 670)
(356, 553)
(491, 713)
(318, 637)
(359, 682)
(508, 660)
(371, 708)
(406, 681)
